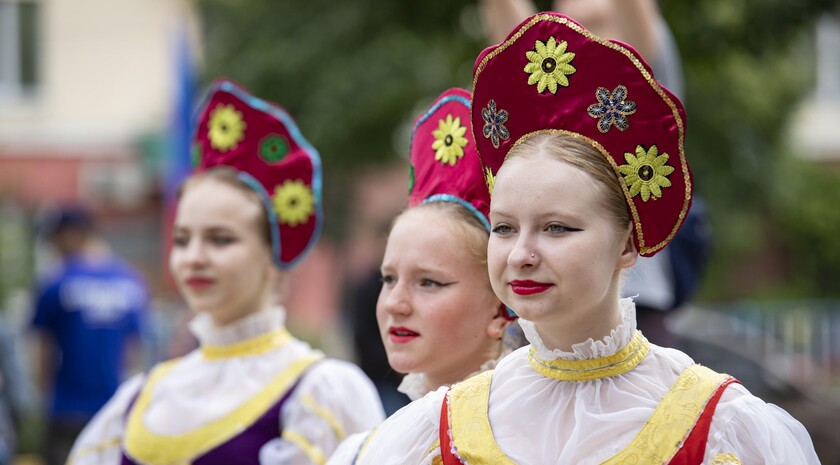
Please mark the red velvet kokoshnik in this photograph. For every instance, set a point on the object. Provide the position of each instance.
(262, 142)
(444, 162)
(552, 75)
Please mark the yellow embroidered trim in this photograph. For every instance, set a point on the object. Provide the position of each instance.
(324, 413)
(585, 370)
(254, 346)
(311, 450)
(669, 426)
(643, 248)
(726, 459)
(658, 441)
(472, 435)
(115, 442)
(365, 444)
(156, 449)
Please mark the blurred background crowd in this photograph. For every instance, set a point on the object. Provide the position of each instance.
(96, 98)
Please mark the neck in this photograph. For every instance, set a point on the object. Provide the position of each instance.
(595, 324)
(450, 377)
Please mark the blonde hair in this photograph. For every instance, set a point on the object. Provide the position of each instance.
(230, 177)
(582, 155)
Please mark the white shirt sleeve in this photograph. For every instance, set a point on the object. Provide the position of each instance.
(334, 400)
(409, 436)
(756, 433)
(100, 441)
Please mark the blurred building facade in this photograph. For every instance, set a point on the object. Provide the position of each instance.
(86, 94)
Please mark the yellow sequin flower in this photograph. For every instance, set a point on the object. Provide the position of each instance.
(646, 172)
(293, 202)
(489, 179)
(449, 140)
(549, 65)
(226, 128)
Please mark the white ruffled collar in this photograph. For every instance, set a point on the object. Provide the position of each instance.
(414, 385)
(589, 349)
(256, 324)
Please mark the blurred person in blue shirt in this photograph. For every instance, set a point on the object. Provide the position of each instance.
(87, 312)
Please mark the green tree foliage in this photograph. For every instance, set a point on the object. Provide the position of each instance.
(748, 65)
(355, 73)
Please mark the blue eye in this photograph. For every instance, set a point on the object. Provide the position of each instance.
(502, 229)
(556, 228)
(430, 283)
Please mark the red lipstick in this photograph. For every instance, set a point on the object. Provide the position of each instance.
(528, 287)
(400, 335)
(198, 283)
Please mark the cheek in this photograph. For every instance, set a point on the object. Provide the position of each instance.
(496, 258)
(175, 261)
(381, 313)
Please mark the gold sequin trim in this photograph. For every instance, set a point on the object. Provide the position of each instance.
(586, 370)
(643, 248)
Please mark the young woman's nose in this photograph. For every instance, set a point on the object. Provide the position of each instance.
(397, 300)
(195, 253)
(524, 253)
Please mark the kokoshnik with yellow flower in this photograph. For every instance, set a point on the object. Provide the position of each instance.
(262, 142)
(552, 76)
(444, 163)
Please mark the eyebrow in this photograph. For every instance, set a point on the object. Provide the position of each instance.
(543, 216)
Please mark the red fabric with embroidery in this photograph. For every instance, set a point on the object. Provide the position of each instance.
(506, 108)
(269, 147)
(463, 178)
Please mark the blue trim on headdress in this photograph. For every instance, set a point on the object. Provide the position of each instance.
(314, 158)
(274, 226)
(461, 202)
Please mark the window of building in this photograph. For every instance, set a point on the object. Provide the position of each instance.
(19, 33)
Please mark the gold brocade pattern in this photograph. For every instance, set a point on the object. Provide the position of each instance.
(585, 370)
(672, 421)
(155, 449)
(469, 424)
(726, 459)
(658, 441)
(644, 248)
(250, 347)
